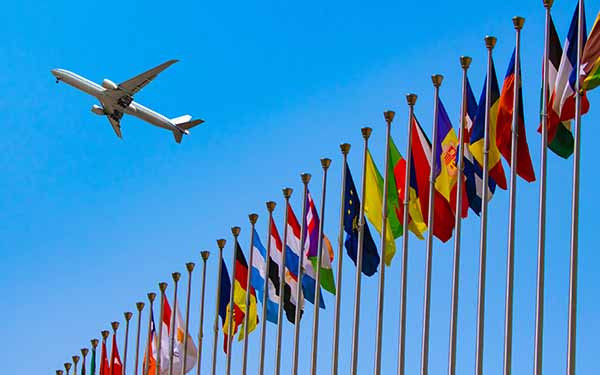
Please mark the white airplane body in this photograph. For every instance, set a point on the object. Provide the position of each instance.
(117, 100)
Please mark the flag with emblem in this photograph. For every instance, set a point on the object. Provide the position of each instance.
(150, 347)
(104, 367)
(590, 59)
(116, 367)
(179, 334)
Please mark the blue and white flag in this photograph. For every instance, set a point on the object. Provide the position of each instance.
(257, 278)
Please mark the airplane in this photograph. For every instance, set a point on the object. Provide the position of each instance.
(117, 100)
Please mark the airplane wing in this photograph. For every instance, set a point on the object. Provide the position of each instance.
(116, 125)
(114, 116)
(135, 84)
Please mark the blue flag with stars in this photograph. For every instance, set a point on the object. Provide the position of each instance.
(351, 215)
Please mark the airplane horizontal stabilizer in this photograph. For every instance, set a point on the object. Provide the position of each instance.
(183, 128)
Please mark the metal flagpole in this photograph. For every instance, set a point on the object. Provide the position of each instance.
(162, 286)
(305, 180)
(510, 258)
(94, 343)
(345, 148)
(75, 359)
(437, 82)
(253, 218)
(67, 367)
(84, 353)
(176, 276)
(115, 327)
(465, 62)
(205, 254)
(263, 329)
(490, 42)
(287, 193)
(189, 267)
(572, 330)
(236, 232)
(539, 308)
(220, 244)
(325, 163)
(146, 369)
(140, 307)
(411, 99)
(127, 316)
(366, 133)
(389, 117)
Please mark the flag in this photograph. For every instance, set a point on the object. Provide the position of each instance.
(371, 259)
(93, 362)
(421, 168)
(561, 107)
(224, 301)
(104, 367)
(239, 298)
(312, 246)
(504, 124)
(446, 171)
(374, 206)
(260, 273)
(293, 251)
(116, 367)
(590, 60)
(478, 132)
(150, 349)
(276, 259)
(178, 334)
(472, 169)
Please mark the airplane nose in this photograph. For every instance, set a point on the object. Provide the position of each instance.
(55, 72)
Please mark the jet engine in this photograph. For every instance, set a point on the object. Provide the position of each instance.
(108, 84)
(98, 110)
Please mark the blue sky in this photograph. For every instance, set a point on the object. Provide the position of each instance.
(89, 223)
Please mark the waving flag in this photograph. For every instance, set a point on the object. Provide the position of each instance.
(260, 274)
(179, 334)
(104, 367)
(276, 258)
(150, 349)
(292, 250)
(496, 171)
(224, 300)
(371, 259)
(472, 171)
(312, 246)
(93, 362)
(590, 60)
(116, 367)
(504, 125)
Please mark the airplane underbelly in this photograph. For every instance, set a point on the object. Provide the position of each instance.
(150, 118)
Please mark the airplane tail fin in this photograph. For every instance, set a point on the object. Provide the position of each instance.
(183, 123)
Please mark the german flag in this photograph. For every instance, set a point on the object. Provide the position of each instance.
(240, 281)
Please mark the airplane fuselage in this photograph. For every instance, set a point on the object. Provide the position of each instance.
(103, 94)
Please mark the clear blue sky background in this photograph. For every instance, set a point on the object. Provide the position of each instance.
(89, 223)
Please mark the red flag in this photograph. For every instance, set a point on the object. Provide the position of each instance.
(104, 367)
(116, 367)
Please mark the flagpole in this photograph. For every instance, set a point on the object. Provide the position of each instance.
(75, 359)
(140, 307)
(518, 22)
(115, 326)
(220, 244)
(345, 148)
(236, 232)
(366, 133)
(490, 42)
(105, 335)
(84, 353)
(389, 117)
(189, 267)
(411, 99)
(287, 193)
(204, 254)
(176, 276)
(305, 180)
(465, 62)
(94, 343)
(539, 307)
(325, 163)
(67, 367)
(163, 287)
(263, 329)
(253, 218)
(572, 330)
(146, 370)
(127, 316)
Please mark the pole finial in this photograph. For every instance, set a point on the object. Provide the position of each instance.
(548, 3)
(490, 41)
(221, 243)
(465, 62)
(128, 315)
(75, 359)
(437, 80)
(67, 366)
(140, 306)
(518, 22)
(59, 372)
(205, 254)
(271, 206)
(287, 192)
(411, 99)
(105, 334)
(176, 276)
(236, 231)
(94, 343)
(253, 218)
(389, 116)
(325, 163)
(189, 266)
(345, 147)
(84, 352)
(115, 326)
(151, 297)
(162, 286)
(305, 178)
(366, 132)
